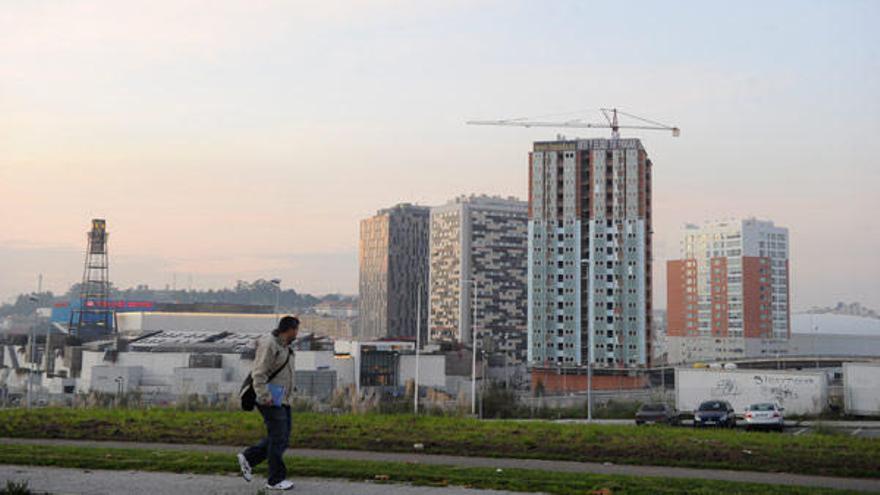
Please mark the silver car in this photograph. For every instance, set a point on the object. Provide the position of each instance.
(764, 415)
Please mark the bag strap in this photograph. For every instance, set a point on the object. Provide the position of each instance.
(275, 373)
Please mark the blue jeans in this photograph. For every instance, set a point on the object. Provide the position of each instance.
(277, 420)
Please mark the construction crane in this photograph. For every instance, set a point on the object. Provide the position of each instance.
(609, 113)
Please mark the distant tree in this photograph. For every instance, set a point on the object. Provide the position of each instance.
(23, 306)
(259, 292)
(539, 389)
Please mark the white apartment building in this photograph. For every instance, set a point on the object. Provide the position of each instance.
(731, 284)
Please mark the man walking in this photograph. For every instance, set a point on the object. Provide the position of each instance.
(273, 383)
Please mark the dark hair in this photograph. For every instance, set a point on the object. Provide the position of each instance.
(287, 323)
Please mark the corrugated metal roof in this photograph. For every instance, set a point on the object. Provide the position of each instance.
(203, 340)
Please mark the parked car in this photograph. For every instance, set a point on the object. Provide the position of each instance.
(656, 413)
(715, 413)
(764, 415)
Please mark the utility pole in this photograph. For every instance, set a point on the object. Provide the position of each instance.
(474, 352)
(483, 380)
(119, 388)
(590, 387)
(418, 344)
(33, 354)
(815, 335)
(589, 363)
(506, 374)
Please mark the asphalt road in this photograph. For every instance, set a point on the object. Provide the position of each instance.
(858, 429)
(857, 484)
(97, 482)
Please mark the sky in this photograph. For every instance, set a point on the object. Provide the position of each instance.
(237, 140)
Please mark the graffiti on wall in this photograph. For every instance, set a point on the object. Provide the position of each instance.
(781, 388)
(725, 387)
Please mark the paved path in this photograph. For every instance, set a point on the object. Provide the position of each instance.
(99, 482)
(859, 484)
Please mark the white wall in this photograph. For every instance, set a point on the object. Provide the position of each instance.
(158, 366)
(166, 371)
(798, 392)
(200, 381)
(235, 369)
(157, 373)
(432, 370)
(90, 359)
(56, 385)
(344, 366)
(15, 382)
(137, 322)
(104, 378)
(861, 388)
(313, 360)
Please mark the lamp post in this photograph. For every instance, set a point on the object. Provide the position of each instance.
(483, 363)
(119, 387)
(30, 382)
(815, 335)
(277, 283)
(589, 362)
(473, 349)
(418, 344)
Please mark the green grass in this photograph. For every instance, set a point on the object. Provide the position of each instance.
(514, 480)
(815, 454)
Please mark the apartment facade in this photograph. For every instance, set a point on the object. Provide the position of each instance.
(393, 261)
(589, 254)
(728, 294)
(480, 240)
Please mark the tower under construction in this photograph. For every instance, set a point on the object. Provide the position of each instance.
(590, 254)
(94, 314)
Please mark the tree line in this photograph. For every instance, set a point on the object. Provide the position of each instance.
(258, 292)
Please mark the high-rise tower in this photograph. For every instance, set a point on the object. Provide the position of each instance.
(589, 254)
(728, 295)
(480, 242)
(94, 316)
(393, 257)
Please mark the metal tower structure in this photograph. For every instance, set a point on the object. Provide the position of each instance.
(94, 315)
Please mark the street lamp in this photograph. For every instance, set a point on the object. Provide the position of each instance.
(473, 350)
(589, 362)
(277, 283)
(119, 387)
(815, 334)
(30, 382)
(418, 343)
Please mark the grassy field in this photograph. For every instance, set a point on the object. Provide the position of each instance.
(815, 454)
(511, 479)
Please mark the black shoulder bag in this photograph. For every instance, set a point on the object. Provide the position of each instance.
(247, 393)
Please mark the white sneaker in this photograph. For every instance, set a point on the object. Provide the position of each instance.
(245, 466)
(281, 485)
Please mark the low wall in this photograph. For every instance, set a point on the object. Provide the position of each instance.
(553, 382)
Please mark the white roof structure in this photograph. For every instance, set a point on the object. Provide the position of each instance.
(831, 324)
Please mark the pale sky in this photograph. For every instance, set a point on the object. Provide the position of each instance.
(235, 140)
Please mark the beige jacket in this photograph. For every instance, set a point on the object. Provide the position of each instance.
(270, 356)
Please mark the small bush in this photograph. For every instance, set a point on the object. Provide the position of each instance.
(17, 488)
(500, 402)
(614, 409)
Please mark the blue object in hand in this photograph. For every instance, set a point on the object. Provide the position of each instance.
(277, 392)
